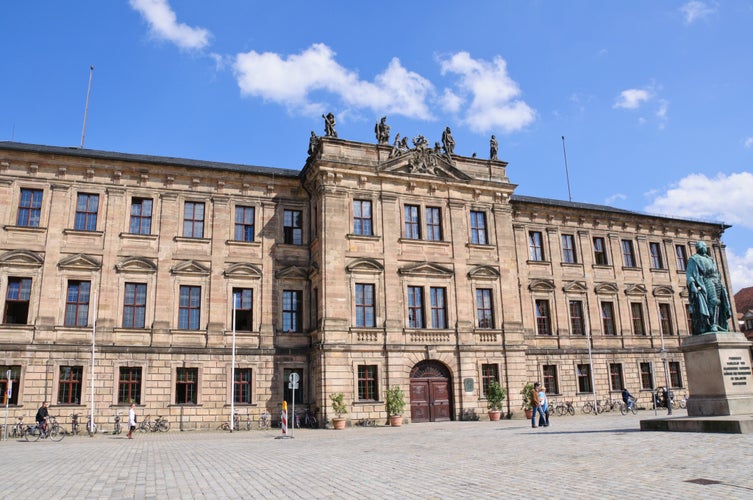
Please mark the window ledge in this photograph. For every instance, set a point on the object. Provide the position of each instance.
(441, 243)
(365, 237)
(538, 262)
(82, 232)
(183, 405)
(659, 270)
(186, 239)
(601, 266)
(631, 268)
(243, 243)
(188, 332)
(573, 264)
(136, 236)
(485, 246)
(26, 229)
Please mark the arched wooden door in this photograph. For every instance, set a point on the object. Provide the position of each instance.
(430, 396)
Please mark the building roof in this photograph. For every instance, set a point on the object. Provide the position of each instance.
(744, 300)
(137, 158)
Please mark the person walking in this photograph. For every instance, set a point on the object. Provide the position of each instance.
(536, 405)
(544, 415)
(131, 420)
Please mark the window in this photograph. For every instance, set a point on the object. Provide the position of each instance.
(616, 382)
(29, 208)
(682, 257)
(17, 301)
(15, 380)
(292, 311)
(675, 375)
(242, 386)
(69, 385)
(584, 378)
(244, 224)
(484, 308)
(636, 313)
(189, 307)
(665, 320)
(292, 227)
(657, 262)
(141, 216)
(536, 245)
(543, 324)
(367, 383)
(186, 386)
(244, 309)
(412, 222)
(600, 252)
(415, 307)
(577, 323)
(129, 385)
(568, 249)
(362, 223)
(433, 224)
(478, 228)
(607, 318)
(77, 303)
(549, 373)
(689, 318)
(628, 254)
(438, 307)
(86, 212)
(134, 305)
(193, 220)
(365, 306)
(287, 394)
(489, 374)
(647, 376)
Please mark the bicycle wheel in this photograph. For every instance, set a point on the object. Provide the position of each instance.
(91, 428)
(33, 433)
(588, 408)
(164, 426)
(224, 426)
(571, 410)
(623, 409)
(56, 434)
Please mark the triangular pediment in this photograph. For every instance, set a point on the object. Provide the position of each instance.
(422, 161)
(606, 288)
(190, 267)
(426, 269)
(243, 270)
(292, 272)
(21, 258)
(80, 262)
(541, 285)
(663, 291)
(136, 265)
(483, 272)
(635, 289)
(365, 266)
(575, 287)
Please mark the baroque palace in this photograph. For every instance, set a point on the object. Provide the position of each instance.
(375, 265)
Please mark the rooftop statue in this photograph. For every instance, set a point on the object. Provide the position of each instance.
(709, 303)
(313, 142)
(448, 143)
(382, 131)
(329, 125)
(493, 148)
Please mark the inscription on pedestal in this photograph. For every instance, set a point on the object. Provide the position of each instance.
(737, 370)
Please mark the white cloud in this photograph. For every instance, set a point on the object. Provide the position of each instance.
(164, 24)
(724, 198)
(693, 11)
(614, 198)
(740, 269)
(291, 81)
(494, 96)
(632, 98)
(748, 142)
(661, 113)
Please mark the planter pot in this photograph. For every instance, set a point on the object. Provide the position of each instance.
(529, 414)
(396, 420)
(338, 423)
(495, 415)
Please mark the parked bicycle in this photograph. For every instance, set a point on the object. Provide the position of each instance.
(91, 427)
(116, 427)
(265, 421)
(225, 426)
(309, 419)
(74, 424)
(145, 425)
(565, 408)
(588, 408)
(18, 430)
(161, 424)
(684, 401)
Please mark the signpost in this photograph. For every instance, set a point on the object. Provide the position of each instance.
(8, 394)
(293, 385)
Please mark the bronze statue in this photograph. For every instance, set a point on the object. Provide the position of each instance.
(382, 131)
(329, 125)
(493, 148)
(448, 143)
(709, 303)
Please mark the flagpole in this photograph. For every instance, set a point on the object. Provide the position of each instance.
(591, 363)
(94, 342)
(232, 370)
(86, 110)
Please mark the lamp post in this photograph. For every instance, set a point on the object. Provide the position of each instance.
(591, 364)
(232, 368)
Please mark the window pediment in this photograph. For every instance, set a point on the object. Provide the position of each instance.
(606, 289)
(483, 272)
(190, 267)
(541, 285)
(422, 161)
(365, 266)
(21, 258)
(292, 272)
(575, 287)
(80, 262)
(136, 265)
(663, 291)
(636, 289)
(243, 270)
(426, 269)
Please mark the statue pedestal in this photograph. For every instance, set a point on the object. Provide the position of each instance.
(720, 383)
(719, 374)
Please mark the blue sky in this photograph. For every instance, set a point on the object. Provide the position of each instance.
(654, 98)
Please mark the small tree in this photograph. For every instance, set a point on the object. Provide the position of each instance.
(527, 393)
(495, 394)
(338, 404)
(395, 400)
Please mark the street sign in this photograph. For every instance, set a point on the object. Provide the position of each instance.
(294, 378)
(292, 385)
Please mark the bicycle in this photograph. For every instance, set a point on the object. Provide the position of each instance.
(116, 427)
(265, 421)
(18, 430)
(91, 427)
(36, 432)
(145, 425)
(565, 409)
(225, 426)
(161, 425)
(631, 405)
(309, 419)
(588, 408)
(74, 424)
(367, 422)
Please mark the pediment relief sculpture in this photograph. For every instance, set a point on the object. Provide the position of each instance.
(575, 287)
(483, 272)
(21, 258)
(292, 272)
(663, 291)
(136, 265)
(80, 262)
(606, 288)
(636, 289)
(420, 160)
(190, 267)
(426, 269)
(243, 270)
(365, 266)
(541, 285)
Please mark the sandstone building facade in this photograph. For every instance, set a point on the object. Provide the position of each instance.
(371, 267)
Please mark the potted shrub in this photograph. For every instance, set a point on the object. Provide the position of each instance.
(527, 393)
(395, 403)
(495, 394)
(340, 409)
